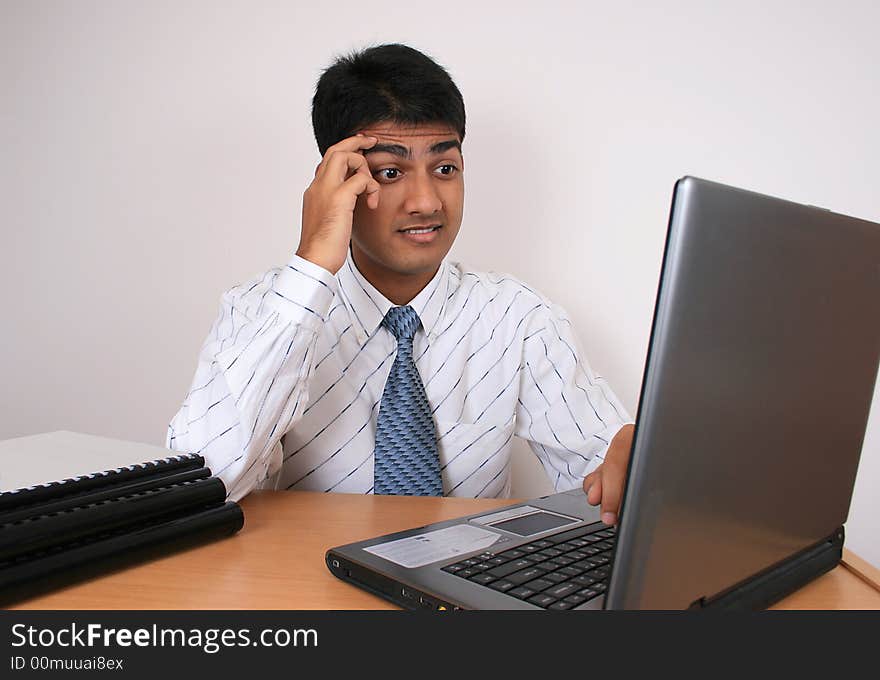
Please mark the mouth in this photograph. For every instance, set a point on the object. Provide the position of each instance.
(420, 229)
(421, 233)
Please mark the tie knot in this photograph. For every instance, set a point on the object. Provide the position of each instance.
(402, 322)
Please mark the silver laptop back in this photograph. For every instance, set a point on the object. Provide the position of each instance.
(755, 397)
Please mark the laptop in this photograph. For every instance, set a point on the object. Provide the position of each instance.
(755, 398)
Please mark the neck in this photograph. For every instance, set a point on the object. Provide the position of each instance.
(399, 288)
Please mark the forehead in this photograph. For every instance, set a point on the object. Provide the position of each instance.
(414, 137)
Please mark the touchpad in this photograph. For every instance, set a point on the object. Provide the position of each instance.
(535, 523)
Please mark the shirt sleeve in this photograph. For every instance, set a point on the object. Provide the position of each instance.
(566, 412)
(251, 381)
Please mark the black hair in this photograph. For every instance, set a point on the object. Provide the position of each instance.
(394, 83)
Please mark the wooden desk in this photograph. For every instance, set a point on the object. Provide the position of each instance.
(277, 561)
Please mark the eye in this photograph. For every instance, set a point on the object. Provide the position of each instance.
(388, 173)
(447, 169)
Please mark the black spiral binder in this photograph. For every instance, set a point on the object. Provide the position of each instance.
(61, 532)
(42, 493)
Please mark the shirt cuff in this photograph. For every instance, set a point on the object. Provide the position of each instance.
(302, 291)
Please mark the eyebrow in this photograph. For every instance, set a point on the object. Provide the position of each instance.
(405, 152)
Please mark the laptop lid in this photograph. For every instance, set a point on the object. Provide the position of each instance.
(755, 398)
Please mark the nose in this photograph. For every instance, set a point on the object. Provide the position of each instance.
(422, 197)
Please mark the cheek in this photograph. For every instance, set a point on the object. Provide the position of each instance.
(453, 199)
(366, 222)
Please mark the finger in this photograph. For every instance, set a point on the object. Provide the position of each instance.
(348, 145)
(588, 481)
(354, 143)
(342, 164)
(372, 194)
(594, 494)
(612, 490)
(359, 184)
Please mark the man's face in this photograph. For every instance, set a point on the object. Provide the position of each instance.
(419, 170)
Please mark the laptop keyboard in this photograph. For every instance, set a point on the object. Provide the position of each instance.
(556, 572)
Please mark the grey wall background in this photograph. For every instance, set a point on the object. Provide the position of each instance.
(153, 154)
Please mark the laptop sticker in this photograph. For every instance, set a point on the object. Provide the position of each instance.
(417, 551)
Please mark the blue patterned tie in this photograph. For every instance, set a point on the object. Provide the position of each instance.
(406, 461)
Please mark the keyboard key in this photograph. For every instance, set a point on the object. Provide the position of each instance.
(483, 579)
(575, 555)
(539, 584)
(523, 593)
(584, 580)
(520, 577)
(512, 554)
(543, 543)
(506, 569)
(571, 571)
(497, 560)
(587, 593)
(529, 548)
(556, 577)
(542, 600)
(561, 590)
(452, 568)
(467, 573)
(562, 605)
(550, 552)
(562, 560)
(568, 535)
(566, 547)
(576, 599)
(502, 585)
(599, 587)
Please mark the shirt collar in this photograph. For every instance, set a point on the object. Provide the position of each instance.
(367, 306)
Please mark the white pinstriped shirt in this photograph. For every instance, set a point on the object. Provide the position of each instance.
(289, 382)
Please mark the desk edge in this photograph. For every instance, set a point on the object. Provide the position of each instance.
(861, 568)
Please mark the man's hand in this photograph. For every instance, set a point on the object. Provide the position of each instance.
(605, 483)
(328, 204)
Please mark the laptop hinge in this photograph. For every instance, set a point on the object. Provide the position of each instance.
(779, 580)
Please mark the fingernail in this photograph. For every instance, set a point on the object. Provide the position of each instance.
(609, 518)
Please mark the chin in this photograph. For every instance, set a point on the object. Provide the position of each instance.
(414, 258)
(411, 268)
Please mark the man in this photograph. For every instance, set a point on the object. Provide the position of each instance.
(369, 363)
